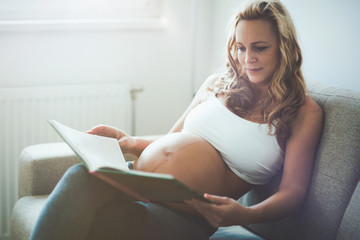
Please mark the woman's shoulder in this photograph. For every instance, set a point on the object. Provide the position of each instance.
(208, 85)
(310, 106)
(309, 113)
(210, 82)
(206, 88)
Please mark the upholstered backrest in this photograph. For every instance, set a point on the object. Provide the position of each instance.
(335, 174)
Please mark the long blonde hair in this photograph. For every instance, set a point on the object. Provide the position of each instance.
(287, 89)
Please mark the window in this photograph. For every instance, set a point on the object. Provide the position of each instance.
(25, 13)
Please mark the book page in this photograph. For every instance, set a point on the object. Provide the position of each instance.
(96, 151)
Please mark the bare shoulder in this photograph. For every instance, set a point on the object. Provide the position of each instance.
(208, 85)
(201, 95)
(310, 115)
(210, 82)
(310, 107)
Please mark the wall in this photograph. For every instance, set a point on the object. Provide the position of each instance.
(157, 59)
(328, 32)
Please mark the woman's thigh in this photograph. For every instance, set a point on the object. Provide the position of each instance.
(70, 208)
(84, 207)
(147, 221)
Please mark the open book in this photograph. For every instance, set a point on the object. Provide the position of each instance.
(103, 157)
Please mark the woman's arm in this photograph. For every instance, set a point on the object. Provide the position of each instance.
(299, 156)
(136, 145)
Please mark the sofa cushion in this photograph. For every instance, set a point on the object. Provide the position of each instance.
(24, 216)
(335, 173)
(350, 224)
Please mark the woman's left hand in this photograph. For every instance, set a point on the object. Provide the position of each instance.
(223, 211)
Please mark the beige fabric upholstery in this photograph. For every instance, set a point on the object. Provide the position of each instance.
(41, 167)
(25, 214)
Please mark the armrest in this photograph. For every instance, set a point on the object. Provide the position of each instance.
(41, 167)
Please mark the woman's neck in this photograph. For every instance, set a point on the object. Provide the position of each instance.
(260, 93)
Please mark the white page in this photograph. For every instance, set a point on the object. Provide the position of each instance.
(96, 151)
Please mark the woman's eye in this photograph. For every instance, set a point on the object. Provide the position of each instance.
(260, 49)
(241, 49)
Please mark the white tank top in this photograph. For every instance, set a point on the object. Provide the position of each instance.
(246, 147)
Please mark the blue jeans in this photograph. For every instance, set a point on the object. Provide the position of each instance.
(83, 207)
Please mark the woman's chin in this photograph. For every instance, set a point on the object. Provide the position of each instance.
(259, 81)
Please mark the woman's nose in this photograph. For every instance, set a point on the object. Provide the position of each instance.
(249, 57)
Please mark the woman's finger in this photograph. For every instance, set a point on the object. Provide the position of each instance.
(217, 199)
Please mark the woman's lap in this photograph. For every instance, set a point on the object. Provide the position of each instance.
(147, 221)
(82, 206)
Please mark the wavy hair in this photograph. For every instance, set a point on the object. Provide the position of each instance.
(287, 90)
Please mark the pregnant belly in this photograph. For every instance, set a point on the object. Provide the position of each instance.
(193, 161)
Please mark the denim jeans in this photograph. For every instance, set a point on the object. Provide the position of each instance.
(83, 207)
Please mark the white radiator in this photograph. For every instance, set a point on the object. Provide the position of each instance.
(23, 121)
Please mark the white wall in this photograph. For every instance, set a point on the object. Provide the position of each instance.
(159, 60)
(328, 31)
(329, 35)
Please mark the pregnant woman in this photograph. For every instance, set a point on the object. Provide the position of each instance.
(242, 127)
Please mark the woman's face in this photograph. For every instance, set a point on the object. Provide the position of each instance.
(257, 49)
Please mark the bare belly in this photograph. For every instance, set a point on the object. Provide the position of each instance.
(193, 161)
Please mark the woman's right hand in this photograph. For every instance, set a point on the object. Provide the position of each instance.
(126, 142)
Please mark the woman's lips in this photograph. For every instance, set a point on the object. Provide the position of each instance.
(253, 70)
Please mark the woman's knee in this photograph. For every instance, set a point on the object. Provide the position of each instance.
(77, 168)
(76, 176)
(76, 171)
